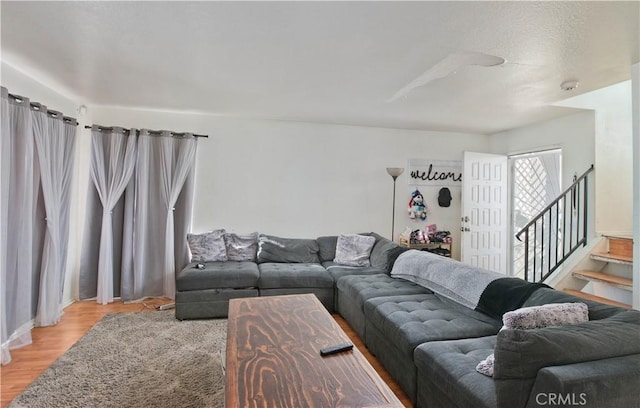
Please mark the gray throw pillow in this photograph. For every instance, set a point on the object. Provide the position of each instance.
(287, 250)
(241, 247)
(207, 247)
(354, 250)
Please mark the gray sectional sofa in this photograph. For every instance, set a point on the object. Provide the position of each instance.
(431, 320)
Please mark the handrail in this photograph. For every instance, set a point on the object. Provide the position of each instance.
(559, 239)
(554, 202)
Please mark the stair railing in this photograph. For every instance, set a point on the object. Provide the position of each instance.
(556, 232)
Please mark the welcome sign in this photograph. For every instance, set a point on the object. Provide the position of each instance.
(425, 172)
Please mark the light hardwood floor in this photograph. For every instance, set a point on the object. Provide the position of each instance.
(49, 343)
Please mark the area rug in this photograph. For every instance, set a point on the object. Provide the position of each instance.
(140, 359)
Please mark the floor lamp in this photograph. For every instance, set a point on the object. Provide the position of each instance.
(394, 172)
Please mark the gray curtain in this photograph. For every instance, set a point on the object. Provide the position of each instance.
(35, 187)
(150, 221)
(164, 164)
(17, 191)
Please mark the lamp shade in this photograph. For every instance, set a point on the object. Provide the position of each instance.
(395, 171)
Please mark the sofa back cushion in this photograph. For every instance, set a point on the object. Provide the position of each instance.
(327, 247)
(287, 250)
(384, 253)
(520, 354)
(597, 310)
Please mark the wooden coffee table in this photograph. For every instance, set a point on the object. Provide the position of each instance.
(273, 358)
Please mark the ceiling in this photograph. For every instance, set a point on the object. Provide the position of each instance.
(327, 62)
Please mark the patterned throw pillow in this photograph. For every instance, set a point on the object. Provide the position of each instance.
(241, 247)
(207, 247)
(354, 250)
(537, 317)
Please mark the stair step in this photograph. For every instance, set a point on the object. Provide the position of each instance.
(608, 257)
(624, 283)
(621, 246)
(595, 298)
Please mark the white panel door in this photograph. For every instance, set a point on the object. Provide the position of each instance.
(484, 211)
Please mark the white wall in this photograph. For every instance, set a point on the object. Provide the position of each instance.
(300, 179)
(574, 134)
(635, 79)
(613, 155)
(20, 84)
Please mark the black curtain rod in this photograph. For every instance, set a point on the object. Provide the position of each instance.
(152, 132)
(38, 106)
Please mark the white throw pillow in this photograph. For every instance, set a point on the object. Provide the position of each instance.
(354, 249)
(207, 247)
(537, 317)
(552, 314)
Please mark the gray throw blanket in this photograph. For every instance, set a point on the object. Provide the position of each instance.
(455, 280)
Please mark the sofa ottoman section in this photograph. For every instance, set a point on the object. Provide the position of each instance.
(296, 278)
(396, 325)
(205, 293)
(352, 291)
(447, 376)
(208, 303)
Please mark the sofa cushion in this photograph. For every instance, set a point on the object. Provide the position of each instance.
(362, 288)
(215, 275)
(535, 317)
(521, 354)
(410, 320)
(392, 256)
(241, 247)
(293, 275)
(354, 250)
(327, 247)
(207, 247)
(337, 271)
(353, 290)
(447, 368)
(382, 253)
(287, 250)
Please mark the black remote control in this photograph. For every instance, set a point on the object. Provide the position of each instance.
(338, 348)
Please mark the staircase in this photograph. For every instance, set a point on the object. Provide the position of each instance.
(610, 278)
(555, 250)
(557, 232)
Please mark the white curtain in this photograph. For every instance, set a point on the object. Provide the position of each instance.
(35, 181)
(18, 184)
(149, 220)
(113, 158)
(164, 163)
(55, 144)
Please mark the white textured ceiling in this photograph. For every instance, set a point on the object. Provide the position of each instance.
(330, 62)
